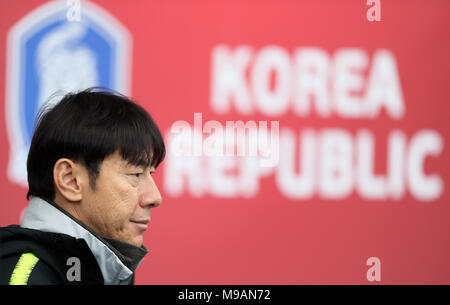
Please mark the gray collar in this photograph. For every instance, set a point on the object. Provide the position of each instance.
(117, 260)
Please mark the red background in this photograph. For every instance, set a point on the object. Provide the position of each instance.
(270, 239)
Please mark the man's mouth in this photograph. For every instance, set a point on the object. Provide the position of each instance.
(141, 223)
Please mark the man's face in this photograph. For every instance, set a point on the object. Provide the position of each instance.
(119, 207)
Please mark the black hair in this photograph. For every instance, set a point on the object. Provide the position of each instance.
(86, 127)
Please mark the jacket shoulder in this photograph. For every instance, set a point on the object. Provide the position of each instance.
(54, 258)
(43, 274)
(28, 269)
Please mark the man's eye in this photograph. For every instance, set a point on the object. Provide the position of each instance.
(137, 175)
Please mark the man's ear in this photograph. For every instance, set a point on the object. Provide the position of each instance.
(68, 178)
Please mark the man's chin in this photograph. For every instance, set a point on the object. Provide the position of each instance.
(136, 240)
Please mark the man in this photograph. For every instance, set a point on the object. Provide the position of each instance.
(90, 167)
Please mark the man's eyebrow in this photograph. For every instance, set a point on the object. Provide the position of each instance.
(142, 166)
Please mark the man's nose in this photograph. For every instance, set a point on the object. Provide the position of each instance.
(150, 195)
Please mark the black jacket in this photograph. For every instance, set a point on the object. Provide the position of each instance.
(52, 247)
(53, 251)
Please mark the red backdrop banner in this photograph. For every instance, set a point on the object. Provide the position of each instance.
(345, 101)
